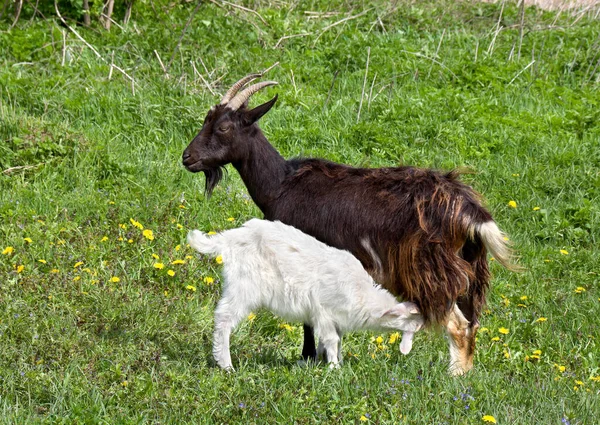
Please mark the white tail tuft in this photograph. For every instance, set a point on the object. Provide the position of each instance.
(496, 243)
(203, 243)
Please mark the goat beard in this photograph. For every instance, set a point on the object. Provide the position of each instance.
(213, 177)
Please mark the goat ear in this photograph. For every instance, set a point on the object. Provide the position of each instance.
(402, 309)
(253, 115)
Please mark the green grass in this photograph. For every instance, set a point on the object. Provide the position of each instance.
(78, 347)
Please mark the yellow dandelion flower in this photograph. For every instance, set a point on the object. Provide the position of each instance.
(208, 280)
(541, 319)
(579, 290)
(512, 204)
(159, 266)
(123, 226)
(77, 264)
(363, 418)
(129, 240)
(251, 316)
(170, 272)
(219, 259)
(506, 355)
(394, 337)
(506, 302)
(179, 226)
(564, 252)
(536, 208)
(191, 288)
(148, 234)
(521, 305)
(178, 247)
(20, 268)
(523, 298)
(124, 383)
(120, 239)
(136, 224)
(54, 271)
(166, 293)
(484, 329)
(115, 279)
(287, 327)
(42, 261)
(537, 352)
(28, 240)
(379, 340)
(503, 331)
(104, 239)
(8, 250)
(177, 262)
(595, 378)
(580, 383)
(489, 418)
(560, 368)
(212, 232)
(496, 338)
(76, 278)
(516, 175)
(188, 257)
(183, 207)
(230, 219)
(155, 256)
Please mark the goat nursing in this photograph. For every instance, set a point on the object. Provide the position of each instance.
(272, 265)
(422, 234)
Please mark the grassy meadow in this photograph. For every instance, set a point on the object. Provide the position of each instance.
(106, 314)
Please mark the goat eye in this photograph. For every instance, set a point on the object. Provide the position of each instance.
(224, 128)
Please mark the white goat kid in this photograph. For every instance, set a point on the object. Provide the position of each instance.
(272, 265)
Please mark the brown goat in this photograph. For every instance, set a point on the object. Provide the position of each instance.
(421, 233)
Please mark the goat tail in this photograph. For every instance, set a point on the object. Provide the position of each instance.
(496, 243)
(205, 244)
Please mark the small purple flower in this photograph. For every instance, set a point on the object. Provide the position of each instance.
(368, 415)
(242, 405)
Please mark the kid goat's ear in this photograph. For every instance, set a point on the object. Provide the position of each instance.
(255, 114)
(402, 309)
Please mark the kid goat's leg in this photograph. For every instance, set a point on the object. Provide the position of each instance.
(330, 341)
(227, 315)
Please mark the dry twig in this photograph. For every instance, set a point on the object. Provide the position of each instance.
(364, 84)
(341, 21)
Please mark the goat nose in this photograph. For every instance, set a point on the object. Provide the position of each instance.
(185, 157)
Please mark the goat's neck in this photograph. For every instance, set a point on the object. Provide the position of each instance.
(263, 171)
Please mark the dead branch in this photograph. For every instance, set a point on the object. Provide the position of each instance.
(341, 21)
(86, 13)
(286, 37)
(185, 28)
(202, 78)
(245, 9)
(431, 59)
(21, 168)
(18, 8)
(364, 84)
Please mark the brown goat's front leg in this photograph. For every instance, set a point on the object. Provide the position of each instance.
(461, 341)
(309, 351)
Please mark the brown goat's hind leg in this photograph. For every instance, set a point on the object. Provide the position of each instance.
(461, 341)
(309, 351)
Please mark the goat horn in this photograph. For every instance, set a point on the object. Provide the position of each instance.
(245, 94)
(237, 86)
